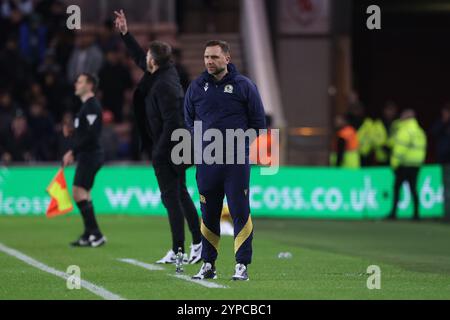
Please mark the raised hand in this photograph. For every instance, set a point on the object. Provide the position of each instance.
(121, 21)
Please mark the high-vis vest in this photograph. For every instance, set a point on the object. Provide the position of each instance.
(351, 155)
(383, 138)
(409, 144)
(380, 140)
(365, 137)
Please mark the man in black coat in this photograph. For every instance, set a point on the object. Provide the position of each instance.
(158, 108)
(441, 132)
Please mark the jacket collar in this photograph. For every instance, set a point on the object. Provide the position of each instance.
(161, 70)
(410, 122)
(149, 79)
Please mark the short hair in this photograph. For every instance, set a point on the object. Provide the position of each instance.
(222, 44)
(92, 79)
(161, 52)
(408, 114)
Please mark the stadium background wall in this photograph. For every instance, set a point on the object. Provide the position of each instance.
(295, 192)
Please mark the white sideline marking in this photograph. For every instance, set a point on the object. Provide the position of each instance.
(147, 266)
(153, 267)
(99, 291)
(200, 282)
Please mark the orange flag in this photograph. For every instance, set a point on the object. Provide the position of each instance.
(60, 198)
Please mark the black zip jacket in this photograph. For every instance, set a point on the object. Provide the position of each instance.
(157, 105)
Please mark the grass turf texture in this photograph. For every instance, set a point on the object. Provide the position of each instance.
(329, 260)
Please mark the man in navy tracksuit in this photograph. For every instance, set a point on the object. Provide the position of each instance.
(221, 98)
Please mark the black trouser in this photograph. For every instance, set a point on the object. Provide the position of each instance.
(176, 199)
(408, 174)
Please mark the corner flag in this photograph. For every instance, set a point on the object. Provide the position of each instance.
(60, 198)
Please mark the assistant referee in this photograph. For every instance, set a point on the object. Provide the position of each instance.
(89, 155)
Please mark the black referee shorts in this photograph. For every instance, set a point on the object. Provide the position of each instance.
(88, 165)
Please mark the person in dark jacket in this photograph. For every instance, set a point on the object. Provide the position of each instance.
(113, 91)
(42, 127)
(441, 132)
(158, 108)
(19, 140)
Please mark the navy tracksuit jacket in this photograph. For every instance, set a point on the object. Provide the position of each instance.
(232, 103)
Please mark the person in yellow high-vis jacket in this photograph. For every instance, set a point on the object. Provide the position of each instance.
(383, 130)
(365, 138)
(380, 138)
(408, 154)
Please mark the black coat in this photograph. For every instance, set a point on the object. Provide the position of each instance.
(157, 105)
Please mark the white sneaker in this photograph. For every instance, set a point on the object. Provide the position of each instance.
(240, 272)
(171, 257)
(96, 241)
(207, 271)
(196, 253)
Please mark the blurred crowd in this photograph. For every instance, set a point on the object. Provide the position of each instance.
(39, 61)
(364, 140)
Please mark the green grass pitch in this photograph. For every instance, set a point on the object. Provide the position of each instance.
(329, 260)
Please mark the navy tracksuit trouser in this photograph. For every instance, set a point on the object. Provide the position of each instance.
(214, 182)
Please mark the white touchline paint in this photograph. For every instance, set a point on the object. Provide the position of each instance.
(200, 282)
(99, 291)
(153, 267)
(147, 266)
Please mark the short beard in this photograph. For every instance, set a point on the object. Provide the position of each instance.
(218, 71)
